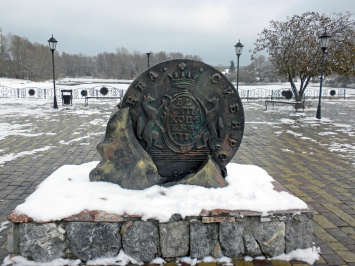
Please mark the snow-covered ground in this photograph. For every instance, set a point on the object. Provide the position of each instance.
(254, 184)
(88, 83)
(65, 83)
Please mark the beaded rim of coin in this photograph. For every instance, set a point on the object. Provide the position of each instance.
(183, 111)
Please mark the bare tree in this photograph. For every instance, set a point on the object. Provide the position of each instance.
(23, 59)
(294, 50)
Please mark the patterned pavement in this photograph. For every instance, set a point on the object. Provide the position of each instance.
(314, 159)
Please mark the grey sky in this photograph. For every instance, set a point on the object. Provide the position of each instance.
(208, 28)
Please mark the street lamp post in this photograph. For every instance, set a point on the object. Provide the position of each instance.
(238, 51)
(52, 45)
(324, 42)
(148, 54)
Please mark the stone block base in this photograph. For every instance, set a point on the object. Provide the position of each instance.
(214, 233)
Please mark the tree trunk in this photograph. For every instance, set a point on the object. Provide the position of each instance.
(293, 87)
(303, 87)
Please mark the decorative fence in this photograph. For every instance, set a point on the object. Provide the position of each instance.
(261, 93)
(78, 93)
(109, 91)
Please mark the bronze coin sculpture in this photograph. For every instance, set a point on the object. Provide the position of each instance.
(182, 111)
(180, 122)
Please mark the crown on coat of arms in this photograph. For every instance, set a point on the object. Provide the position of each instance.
(182, 82)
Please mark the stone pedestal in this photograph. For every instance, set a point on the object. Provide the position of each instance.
(93, 234)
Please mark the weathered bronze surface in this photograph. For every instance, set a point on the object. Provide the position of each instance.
(124, 162)
(184, 112)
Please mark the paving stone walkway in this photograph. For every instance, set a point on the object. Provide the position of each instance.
(314, 159)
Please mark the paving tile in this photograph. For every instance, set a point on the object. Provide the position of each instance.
(347, 256)
(321, 261)
(262, 262)
(280, 263)
(323, 222)
(244, 263)
(333, 259)
(350, 247)
(337, 246)
(323, 179)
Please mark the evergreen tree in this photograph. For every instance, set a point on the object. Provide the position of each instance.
(232, 67)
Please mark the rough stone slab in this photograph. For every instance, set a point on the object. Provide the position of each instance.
(125, 215)
(92, 240)
(175, 217)
(271, 238)
(231, 238)
(252, 247)
(249, 213)
(205, 212)
(174, 239)
(13, 239)
(299, 233)
(216, 235)
(203, 239)
(141, 241)
(220, 212)
(41, 242)
(83, 216)
(125, 227)
(218, 220)
(101, 216)
(19, 218)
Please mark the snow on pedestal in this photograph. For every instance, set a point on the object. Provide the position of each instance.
(252, 216)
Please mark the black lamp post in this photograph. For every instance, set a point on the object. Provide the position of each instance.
(238, 51)
(148, 54)
(324, 42)
(52, 45)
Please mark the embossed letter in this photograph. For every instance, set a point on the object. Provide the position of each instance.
(234, 108)
(130, 101)
(232, 142)
(140, 86)
(215, 78)
(223, 156)
(235, 124)
(153, 76)
(227, 92)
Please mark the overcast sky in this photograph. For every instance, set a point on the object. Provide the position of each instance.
(207, 28)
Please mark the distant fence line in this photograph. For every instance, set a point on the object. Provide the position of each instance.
(109, 91)
(261, 93)
(78, 93)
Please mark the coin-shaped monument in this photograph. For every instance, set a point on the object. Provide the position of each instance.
(180, 122)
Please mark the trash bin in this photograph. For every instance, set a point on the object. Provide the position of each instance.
(67, 97)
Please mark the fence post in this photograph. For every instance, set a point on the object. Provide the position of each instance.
(272, 94)
(344, 93)
(248, 95)
(18, 93)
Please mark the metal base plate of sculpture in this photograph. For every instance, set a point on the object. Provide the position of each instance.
(187, 116)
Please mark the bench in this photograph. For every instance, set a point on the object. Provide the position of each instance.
(98, 97)
(294, 103)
